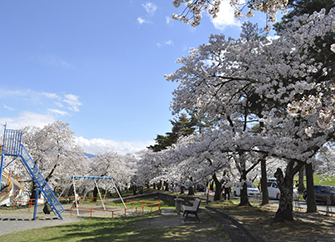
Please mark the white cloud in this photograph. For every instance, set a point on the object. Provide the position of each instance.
(50, 95)
(27, 119)
(34, 100)
(9, 108)
(140, 20)
(169, 42)
(225, 17)
(57, 111)
(72, 101)
(168, 20)
(150, 8)
(4, 93)
(94, 146)
(59, 104)
(143, 21)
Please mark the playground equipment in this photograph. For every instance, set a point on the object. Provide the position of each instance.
(12, 147)
(13, 188)
(94, 178)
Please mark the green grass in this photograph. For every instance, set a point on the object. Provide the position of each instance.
(136, 228)
(164, 204)
(91, 229)
(319, 180)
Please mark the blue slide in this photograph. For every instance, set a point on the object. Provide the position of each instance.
(12, 146)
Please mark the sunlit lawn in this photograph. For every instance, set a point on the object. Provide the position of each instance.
(130, 228)
(125, 229)
(318, 180)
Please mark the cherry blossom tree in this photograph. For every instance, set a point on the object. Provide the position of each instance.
(54, 152)
(193, 10)
(325, 161)
(108, 163)
(149, 168)
(253, 81)
(213, 155)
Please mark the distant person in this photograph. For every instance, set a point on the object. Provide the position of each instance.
(227, 191)
(46, 208)
(76, 200)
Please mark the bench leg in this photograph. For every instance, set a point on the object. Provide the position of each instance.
(196, 214)
(186, 216)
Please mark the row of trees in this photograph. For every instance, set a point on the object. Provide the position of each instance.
(264, 98)
(54, 152)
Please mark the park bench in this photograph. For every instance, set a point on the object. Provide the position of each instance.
(192, 209)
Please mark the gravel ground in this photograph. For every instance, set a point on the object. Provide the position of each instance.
(20, 220)
(12, 224)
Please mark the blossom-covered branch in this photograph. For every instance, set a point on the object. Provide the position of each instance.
(193, 10)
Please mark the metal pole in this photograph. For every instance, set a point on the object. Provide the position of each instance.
(68, 184)
(1, 168)
(36, 202)
(117, 190)
(75, 197)
(11, 161)
(103, 205)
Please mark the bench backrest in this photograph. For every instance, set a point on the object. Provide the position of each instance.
(196, 203)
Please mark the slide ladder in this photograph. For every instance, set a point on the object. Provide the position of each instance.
(12, 146)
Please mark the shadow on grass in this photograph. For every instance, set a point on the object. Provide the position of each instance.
(138, 228)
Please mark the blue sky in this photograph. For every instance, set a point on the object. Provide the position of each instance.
(98, 65)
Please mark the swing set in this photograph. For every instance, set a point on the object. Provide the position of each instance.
(76, 201)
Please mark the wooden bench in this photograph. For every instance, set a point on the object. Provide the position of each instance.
(192, 209)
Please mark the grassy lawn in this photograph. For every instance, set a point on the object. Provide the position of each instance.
(148, 227)
(328, 182)
(124, 229)
(319, 180)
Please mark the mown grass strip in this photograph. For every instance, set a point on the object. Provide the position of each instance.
(137, 228)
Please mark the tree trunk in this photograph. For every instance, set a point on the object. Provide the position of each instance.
(166, 186)
(95, 194)
(285, 185)
(244, 200)
(218, 189)
(48, 177)
(301, 186)
(70, 191)
(264, 186)
(182, 188)
(311, 203)
(134, 190)
(190, 190)
(33, 190)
